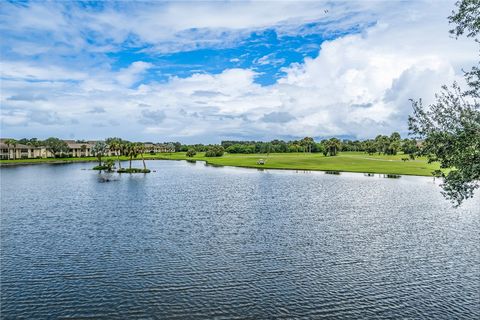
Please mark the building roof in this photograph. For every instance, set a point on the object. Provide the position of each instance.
(17, 146)
(76, 145)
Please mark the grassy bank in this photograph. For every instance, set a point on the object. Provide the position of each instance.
(345, 161)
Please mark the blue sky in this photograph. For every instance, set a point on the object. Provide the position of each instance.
(207, 71)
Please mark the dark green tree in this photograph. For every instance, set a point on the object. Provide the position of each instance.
(191, 153)
(450, 127)
(333, 146)
(56, 146)
(214, 151)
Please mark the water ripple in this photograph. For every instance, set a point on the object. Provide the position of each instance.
(196, 242)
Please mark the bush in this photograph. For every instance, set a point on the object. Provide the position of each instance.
(107, 165)
(214, 151)
(100, 168)
(191, 153)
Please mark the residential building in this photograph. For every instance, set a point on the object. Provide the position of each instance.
(20, 151)
(76, 149)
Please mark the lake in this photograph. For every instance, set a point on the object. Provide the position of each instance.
(195, 241)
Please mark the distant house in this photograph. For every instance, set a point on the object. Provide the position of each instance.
(79, 149)
(20, 151)
(76, 149)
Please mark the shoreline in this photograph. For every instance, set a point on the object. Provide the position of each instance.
(181, 157)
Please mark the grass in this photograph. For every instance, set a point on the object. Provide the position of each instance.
(345, 161)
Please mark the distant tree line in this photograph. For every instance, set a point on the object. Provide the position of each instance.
(382, 144)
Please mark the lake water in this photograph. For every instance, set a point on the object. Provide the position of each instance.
(193, 241)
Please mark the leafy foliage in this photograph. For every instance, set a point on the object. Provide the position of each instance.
(191, 153)
(451, 128)
(214, 151)
(99, 149)
(332, 147)
(56, 146)
(467, 18)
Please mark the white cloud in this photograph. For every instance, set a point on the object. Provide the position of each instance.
(358, 85)
(172, 26)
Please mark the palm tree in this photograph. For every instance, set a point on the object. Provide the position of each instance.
(116, 145)
(99, 150)
(132, 152)
(83, 149)
(11, 142)
(141, 149)
(333, 146)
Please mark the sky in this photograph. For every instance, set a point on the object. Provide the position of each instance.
(202, 72)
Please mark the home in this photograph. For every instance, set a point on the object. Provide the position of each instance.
(20, 151)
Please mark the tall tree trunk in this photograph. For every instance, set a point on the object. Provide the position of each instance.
(143, 159)
(130, 162)
(119, 164)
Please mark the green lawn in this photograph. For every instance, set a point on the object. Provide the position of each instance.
(345, 161)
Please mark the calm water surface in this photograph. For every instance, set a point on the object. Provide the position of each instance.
(191, 241)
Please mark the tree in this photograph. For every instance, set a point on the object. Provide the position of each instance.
(214, 151)
(34, 142)
(307, 143)
(451, 132)
(467, 20)
(108, 164)
(177, 146)
(132, 152)
(56, 146)
(99, 150)
(11, 142)
(451, 126)
(333, 146)
(116, 145)
(370, 147)
(83, 148)
(395, 136)
(320, 147)
(410, 147)
(382, 143)
(140, 148)
(395, 144)
(191, 153)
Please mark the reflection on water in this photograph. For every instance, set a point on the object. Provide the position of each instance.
(333, 172)
(392, 176)
(194, 241)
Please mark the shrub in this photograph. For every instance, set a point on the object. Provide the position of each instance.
(107, 165)
(214, 151)
(102, 167)
(191, 153)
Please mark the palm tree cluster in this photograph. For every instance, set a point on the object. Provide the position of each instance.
(129, 149)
